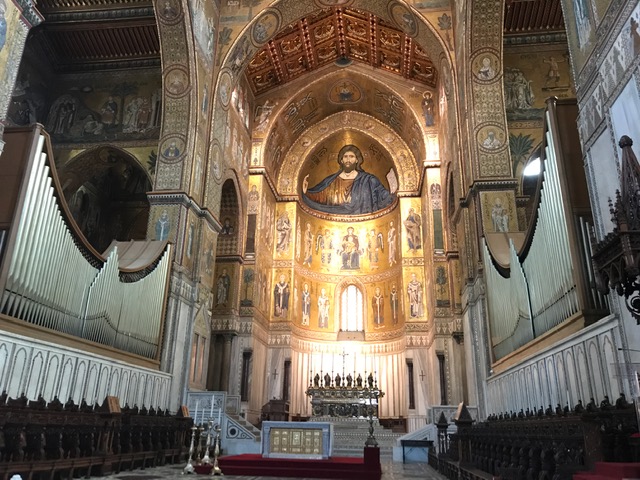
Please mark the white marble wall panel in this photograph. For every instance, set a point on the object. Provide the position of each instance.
(603, 171)
(584, 365)
(625, 114)
(36, 368)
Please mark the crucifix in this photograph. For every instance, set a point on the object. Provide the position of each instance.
(421, 375)
(344, 356)
(275, 373)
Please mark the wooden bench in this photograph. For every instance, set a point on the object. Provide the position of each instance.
(51, 440)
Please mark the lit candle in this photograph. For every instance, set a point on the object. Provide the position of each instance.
(213, 399)
(219, 415)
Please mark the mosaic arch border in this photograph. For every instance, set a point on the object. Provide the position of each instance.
(91, 152)
(281, 109)
(409, 172)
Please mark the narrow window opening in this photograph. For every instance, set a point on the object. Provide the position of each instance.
(412, 393)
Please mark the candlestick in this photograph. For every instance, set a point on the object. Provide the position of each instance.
(216, 453)
(189, 467)
(206, 460)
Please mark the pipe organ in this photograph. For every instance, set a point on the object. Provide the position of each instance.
(51, 277)
(549, 280)
(510, 311)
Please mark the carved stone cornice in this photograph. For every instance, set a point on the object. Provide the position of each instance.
(412, 327)
(182, 286)
(103, 14)
(229, 325)
(30, 13)
(535, 39)
(182, 199)
(473, 290)
(418, 341)
(279, 340)
(329, 345)
(488, 185)
(280, 327)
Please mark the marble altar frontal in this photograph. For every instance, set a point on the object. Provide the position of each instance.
(308, 440)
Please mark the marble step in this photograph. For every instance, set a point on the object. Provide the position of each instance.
(349, 437)
(249, 426)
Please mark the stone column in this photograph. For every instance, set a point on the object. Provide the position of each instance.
(213, 367)
(226, 362)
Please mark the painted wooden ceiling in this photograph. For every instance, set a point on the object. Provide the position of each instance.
(532, 16)
(84, 35)
(343, 36)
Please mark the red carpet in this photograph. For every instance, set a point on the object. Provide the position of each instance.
(337, 467)
(611, 471)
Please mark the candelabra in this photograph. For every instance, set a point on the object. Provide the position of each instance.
(199, 448)
(371, 440)
(216, 453)
(189, 467)
(206, 460)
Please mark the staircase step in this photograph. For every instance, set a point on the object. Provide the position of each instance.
(597, 476)
(350, 435)
(611, 471)
(248, 426)
(618, 470)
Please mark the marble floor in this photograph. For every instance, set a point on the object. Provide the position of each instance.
(390, 471)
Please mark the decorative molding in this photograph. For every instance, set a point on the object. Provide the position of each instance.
(182, 199)
(583, 372)
(535, 39)
(35, 367)
(94, 15)
(488, 185)
(30, 13)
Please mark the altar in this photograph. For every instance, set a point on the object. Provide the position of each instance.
(306, 440)
(334, 397)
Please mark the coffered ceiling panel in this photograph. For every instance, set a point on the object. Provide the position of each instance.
(82, 35)
(343, 35)
(532, 16)
(97, 34)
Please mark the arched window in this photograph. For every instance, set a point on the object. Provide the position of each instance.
(351, 311)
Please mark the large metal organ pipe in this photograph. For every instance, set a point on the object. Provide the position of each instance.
(547, 281)
(548, 265)
(49, 276)
(510, 315)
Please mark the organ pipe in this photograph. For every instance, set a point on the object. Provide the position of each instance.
(50, 276)
(550, 279)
